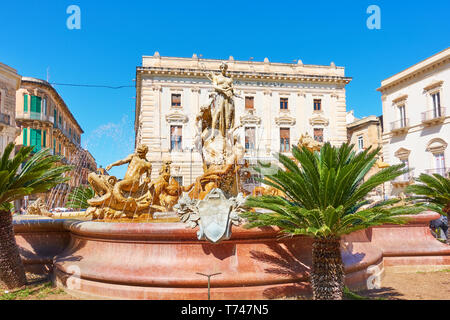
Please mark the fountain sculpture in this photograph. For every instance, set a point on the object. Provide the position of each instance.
(149, 260)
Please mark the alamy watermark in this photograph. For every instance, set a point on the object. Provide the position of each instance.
(74, 20)
(374, 20)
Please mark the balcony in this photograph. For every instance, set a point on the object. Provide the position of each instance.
(400, 126)
(440, 171)
(34, 116)
(434, 116)
(5, 119)
(404, 180)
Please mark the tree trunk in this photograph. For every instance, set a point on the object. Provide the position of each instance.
(12, 271)
(327, 274)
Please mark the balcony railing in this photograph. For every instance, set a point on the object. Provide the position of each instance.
(34, 116)
(5, 119)
(433, 115)
(405, 178)
(440, 171)
(400, 125)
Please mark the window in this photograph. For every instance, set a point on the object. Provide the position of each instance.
(176, 100)
(35, 139)
(36, 104)
(54, 146)
(249, 138)
(360, 143)
(317, 104)
(407, 174)
(402, 111)
(25, 136)
(175, 138)
(285, 145)
(318, 134)
(44, 139)
(283, 103)
(436, 104)
(44, 106)
(439, 160)
(178, 179)
(25, 103)
(249, 102)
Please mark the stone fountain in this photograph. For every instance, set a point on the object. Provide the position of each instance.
(152, 239)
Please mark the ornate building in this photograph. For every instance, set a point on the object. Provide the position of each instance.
(45, 121)
(9, 83)
(416, 119)
(277, 103)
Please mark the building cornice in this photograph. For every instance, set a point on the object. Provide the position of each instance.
(243, 75)
(431, 63)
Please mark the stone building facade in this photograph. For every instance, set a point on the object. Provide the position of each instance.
(278, 103)
(45, 121)
(9, 83)
(416, 119)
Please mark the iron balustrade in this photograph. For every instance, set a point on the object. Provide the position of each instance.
(400, 124)
(408, 176)
(433, 114)
(440, 171)
(34, 116)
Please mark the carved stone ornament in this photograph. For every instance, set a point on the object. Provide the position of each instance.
(250, 118)
(285, 120)
(214, 215)
(176, 117)
(318, 119)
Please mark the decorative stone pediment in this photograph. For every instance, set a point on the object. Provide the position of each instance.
(434, 85)
(285, 120)
(400, 99)
(250, 118)
(402, 153)
(176, 117)
(436, 145)
(318, 119)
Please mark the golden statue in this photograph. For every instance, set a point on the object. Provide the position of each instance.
(222, 104)
(136, 194)
(307, 141)
(126, 198)
(39, 208)
(165, 190)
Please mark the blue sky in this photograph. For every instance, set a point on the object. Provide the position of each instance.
(115, 34)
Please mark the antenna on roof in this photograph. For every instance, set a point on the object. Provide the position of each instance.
(48, 74)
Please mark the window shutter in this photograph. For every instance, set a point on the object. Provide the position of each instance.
(44, 139)
(25, 103)
(25, 136)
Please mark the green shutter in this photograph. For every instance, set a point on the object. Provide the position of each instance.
(54, 146)
(59, 148)
(35, 139)
(44, 139)
(25, 103)
(25, 136)
(36, 104)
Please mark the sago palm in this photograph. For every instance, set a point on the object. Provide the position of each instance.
(79, 196)
(434, 191)
(324, 198)
(20, 176)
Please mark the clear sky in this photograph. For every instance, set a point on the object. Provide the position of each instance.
(115, 34)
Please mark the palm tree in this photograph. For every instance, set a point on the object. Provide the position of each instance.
(79, 196)
(38, 174)
(434, 191)
(324, 199)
